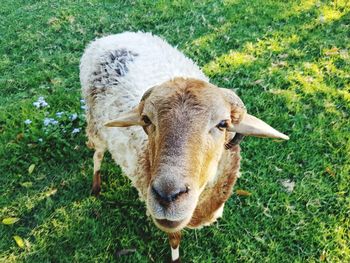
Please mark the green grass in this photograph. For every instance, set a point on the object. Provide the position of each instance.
(288, 61)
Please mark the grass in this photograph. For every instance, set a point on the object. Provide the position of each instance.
(288, 61)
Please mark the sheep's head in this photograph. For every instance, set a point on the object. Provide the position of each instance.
(188, 123)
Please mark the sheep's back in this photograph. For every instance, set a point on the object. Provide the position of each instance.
(130, 63)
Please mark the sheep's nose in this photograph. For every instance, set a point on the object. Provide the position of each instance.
(166, 195)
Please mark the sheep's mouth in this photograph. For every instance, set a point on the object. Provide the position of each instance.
(169, 225)
(173, 215)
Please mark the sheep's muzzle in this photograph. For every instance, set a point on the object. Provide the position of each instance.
(171, 200)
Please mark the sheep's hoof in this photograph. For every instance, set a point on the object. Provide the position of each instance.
(95, 190)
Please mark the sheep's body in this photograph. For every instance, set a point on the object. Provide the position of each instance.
(115, 72)
(182, 173)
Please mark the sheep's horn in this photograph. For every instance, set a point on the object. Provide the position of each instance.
(127, 119)
(131, 117)
(253, 126)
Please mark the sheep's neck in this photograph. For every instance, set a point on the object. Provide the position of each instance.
(214, 196)
(143, 172)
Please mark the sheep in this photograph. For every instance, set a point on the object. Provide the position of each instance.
(178, 135)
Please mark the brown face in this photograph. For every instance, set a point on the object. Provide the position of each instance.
(186, 123)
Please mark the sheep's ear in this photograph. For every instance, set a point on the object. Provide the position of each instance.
(250, 125)
(127, 119)
(247, 124)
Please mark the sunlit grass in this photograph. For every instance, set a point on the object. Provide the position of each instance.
(209, 38)
(230, 61)
(330, 13)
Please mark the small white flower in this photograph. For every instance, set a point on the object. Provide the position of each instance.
(27, 121)
(76, 130)
(43, 104)
(40, 103)
(84, 107)
(48, 121)
(73, 117)
(82, 101)
(36, 104)
(40, 139)
(59, 114)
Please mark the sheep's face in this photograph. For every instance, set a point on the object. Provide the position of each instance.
(186, 122)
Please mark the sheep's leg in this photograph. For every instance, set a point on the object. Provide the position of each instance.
(174, 240)
(96, 182)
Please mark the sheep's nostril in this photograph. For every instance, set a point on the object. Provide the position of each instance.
(168, 195)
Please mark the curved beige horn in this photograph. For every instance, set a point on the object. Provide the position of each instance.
(253, 126)
(127, 119)
(132, 117)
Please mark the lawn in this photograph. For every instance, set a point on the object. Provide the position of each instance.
(289, 61)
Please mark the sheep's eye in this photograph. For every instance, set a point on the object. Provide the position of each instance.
(146, 120)
(222, 125)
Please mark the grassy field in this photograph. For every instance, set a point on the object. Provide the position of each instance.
(288, 60)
